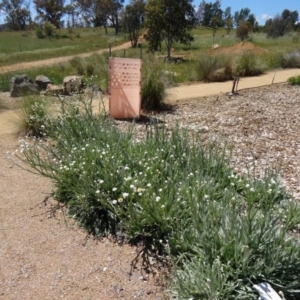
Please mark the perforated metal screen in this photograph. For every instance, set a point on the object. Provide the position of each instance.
(124, 87)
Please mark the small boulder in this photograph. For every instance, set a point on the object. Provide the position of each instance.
(42, 82)
(21, 85)
(53, 90)
(73, 84)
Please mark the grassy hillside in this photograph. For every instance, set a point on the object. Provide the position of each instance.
(197, 64)
(25, 46)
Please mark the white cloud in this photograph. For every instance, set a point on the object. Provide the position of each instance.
(266, 17)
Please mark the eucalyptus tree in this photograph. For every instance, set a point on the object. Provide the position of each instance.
(169, 21)
(51, 11)
(17, 13)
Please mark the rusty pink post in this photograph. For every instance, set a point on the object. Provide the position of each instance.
(125, 87)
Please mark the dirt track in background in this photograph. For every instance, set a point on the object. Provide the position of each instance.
(57, 60)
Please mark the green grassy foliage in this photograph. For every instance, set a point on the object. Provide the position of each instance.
(213, 68)
(247, 65)
(223, 231)
(295, 80)
(34, 117)
(197, 65)
(19, 46)
(154, 83)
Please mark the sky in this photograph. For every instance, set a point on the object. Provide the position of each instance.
(262, 9)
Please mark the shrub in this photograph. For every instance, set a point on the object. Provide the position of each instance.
(49, 29)
(154, 83)
(213, 68)
(205, 66)
(34, 118)
(39, 33)
(273, 60)
(242, 31)
(90, 69)
(97, 71)
(291, 59)
(295, 80)
(77, 64)
(247, 65)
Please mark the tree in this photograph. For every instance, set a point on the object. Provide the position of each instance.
(17, 13)
(289, 19)
(175, 20)
(275, 27)
(281, 24)
(72, 11)
(217, 13)
(102, 12)
(132, 20)
(242, 31)
(95, 12)
(244, 15)
(200, 13)
(50, 10)
(115, 8)
(214, 24)
(207, 14)
(252, 23)
(227, 17)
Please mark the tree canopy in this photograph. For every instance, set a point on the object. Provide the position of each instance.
(50, 10)
(169, 21)
(17, 13)
(132, 20)
(281, 24)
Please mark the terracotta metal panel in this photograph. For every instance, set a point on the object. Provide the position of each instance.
(124, 87)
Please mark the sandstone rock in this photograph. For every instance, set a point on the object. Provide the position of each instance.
(42, 82)
(53, 90)
(72, 84)
(21, 85)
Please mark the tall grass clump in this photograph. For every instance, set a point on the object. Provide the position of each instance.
(291, 59)
(34, 116)
(77, 64)
(272, 60)
(154, 84)
(294, 80)
(213, 68)
(4, 81)
(247, 65)
(205, 66)
(223, 231)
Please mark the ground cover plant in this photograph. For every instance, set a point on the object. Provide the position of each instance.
(223, 231)
(294, 80)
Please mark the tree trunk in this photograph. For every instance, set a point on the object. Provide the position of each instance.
(117, 25)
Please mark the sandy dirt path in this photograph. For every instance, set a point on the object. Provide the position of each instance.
(215, 88)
